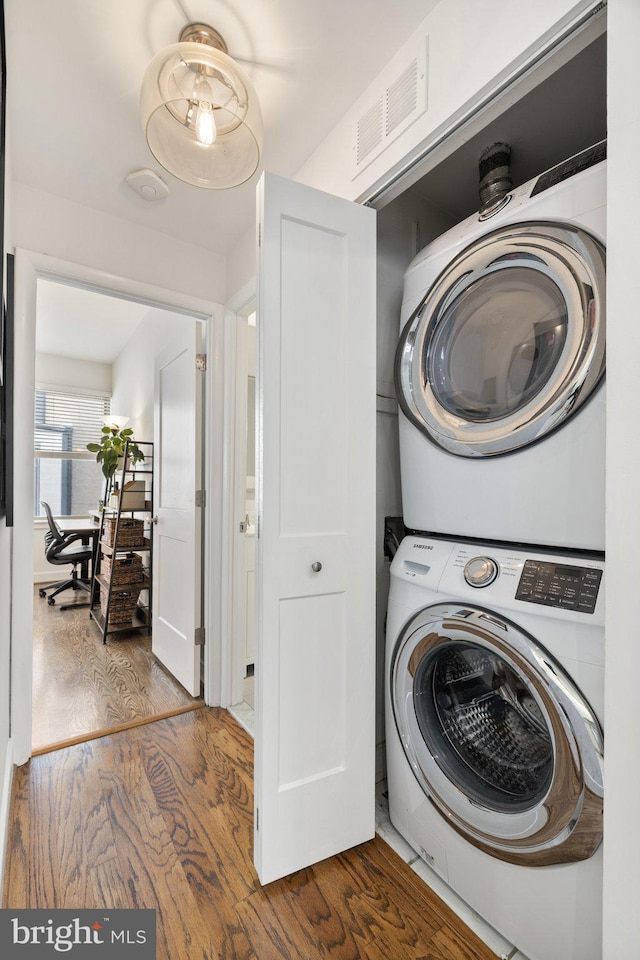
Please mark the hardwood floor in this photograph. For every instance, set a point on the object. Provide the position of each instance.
(85, 688)
(161, 816)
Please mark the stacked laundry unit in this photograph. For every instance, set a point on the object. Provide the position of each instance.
(495, 635)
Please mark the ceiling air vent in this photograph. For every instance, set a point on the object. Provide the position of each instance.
(369, 131)
(402, 99)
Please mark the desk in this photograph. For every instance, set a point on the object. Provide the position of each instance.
(88, 530)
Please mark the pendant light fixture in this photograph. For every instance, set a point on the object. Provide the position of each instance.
(200, 112)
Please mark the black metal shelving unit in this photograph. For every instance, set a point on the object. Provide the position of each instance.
(103, 588)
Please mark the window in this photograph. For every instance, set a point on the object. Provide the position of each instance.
(67, 476)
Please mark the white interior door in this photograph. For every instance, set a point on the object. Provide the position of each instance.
(315, 578)
(177, 531)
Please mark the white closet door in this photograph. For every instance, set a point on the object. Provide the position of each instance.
(315, 577)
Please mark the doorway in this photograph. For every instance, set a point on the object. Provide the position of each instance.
(242, 634)
(97, 350)
(32, 268)
(94, 360)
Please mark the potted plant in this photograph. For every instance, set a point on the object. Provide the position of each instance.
(110, 450)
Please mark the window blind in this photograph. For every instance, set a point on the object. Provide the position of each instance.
(65, 423)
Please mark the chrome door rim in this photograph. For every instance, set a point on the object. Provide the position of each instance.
(575, 262)
(565, 824)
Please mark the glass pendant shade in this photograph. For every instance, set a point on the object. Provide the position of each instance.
(201, 115)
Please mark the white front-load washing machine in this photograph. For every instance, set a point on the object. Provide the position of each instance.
(494, 703)
(500, 368)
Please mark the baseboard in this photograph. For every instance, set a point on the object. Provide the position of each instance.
(5, 808)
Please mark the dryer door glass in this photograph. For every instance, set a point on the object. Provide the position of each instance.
(483, 726)
(497, 345)
(509, 342)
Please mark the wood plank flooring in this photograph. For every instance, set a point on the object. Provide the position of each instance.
(83, 687)
(161, 816)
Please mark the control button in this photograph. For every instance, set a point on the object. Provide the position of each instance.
(585, 607)
(480, 571)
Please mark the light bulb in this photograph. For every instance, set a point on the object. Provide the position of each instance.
(205, 124)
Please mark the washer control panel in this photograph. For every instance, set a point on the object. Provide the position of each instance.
(559, 585)
(507, 579)
(480, 571)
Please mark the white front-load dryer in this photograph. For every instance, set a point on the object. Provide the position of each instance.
(494, 703)
(500, 368)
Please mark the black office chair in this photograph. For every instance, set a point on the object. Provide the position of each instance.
(59, 549)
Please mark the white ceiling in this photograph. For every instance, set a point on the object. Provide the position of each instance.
(74, 73)
(83, 324)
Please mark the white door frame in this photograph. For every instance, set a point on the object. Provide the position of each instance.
(235, 460)
(29, 267)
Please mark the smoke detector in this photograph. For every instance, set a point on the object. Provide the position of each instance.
(148, 185)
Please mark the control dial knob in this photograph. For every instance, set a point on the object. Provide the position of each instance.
(480, 571)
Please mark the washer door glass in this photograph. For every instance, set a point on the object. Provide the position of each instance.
(498, 736)
(508, 342)
(484, 726)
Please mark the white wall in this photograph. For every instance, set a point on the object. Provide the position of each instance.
(622, 718)
(133, 369)
(241, 263)
(44, 223)
(55, 371)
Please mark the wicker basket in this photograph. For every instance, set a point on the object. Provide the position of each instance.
(130, 531)
(122, 570)
(123, 604)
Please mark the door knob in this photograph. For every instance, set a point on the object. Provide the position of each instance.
(154, 519)
(316, 567)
